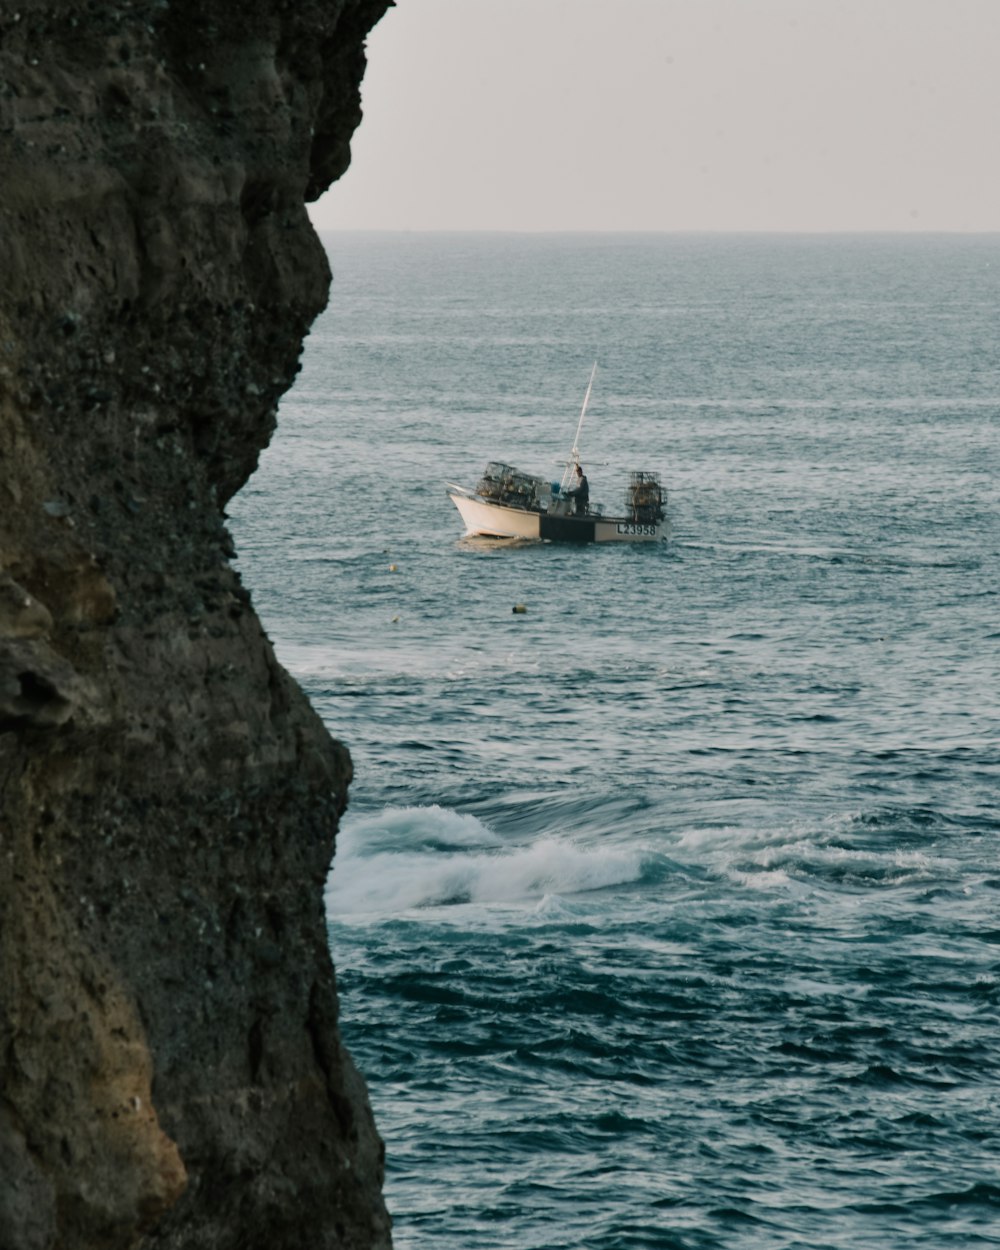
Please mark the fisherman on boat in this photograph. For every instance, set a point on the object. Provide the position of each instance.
(580, 493)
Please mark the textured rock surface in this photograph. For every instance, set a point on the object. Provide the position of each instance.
(170, 1068)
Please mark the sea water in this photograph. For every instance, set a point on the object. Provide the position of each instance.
(666, 913)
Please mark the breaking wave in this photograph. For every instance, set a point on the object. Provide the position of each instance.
(411, 857)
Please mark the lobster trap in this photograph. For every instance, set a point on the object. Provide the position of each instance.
(644, 498)
(501, 483)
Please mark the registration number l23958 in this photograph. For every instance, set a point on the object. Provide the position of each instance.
(637, 530)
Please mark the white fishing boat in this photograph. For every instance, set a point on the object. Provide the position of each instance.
(507, 503)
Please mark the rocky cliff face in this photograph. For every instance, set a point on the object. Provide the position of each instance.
(170, 1068)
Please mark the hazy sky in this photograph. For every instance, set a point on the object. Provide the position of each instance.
(677, 115)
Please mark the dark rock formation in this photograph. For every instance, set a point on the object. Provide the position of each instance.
(170, 1068)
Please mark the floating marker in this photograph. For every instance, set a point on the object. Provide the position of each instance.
(519, 609)
(393, 568)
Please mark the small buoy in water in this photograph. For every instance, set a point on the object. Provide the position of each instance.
(393, 568)
(395, 619)
(519, 609)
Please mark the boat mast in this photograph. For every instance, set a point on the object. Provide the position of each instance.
(574, 455)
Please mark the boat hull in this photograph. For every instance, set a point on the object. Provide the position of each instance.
(496, 520)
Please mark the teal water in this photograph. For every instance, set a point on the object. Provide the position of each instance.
(666, 914)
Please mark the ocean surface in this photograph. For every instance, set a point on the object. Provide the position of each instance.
(667, 913)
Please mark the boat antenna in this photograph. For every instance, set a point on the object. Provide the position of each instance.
(574, 455)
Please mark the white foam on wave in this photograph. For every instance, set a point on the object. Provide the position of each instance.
(409, 828)
(778, 857)
(761, 879)
(411, 857)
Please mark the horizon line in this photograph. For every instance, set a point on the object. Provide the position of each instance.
(688, 230)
